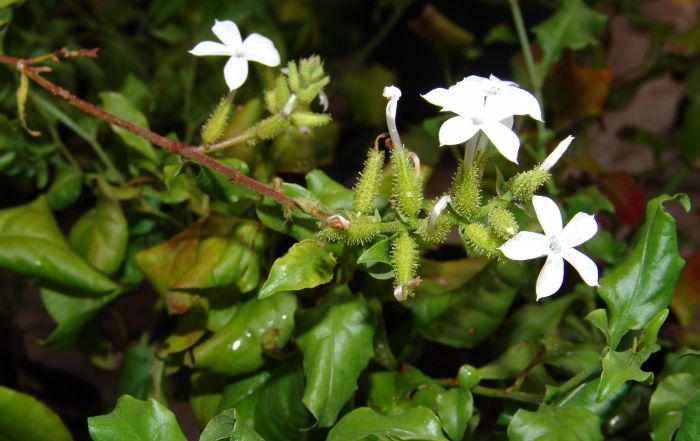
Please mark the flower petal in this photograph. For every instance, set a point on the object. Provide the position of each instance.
(259, 48)
(228, 33)
(556, 154)
(456, 130)
(585, 266)
(523, 102)
(579, 229)
(551, 277)
(548, 215)
(504, 139)
(439, 97)
(526, 245)
(235, 72)
(206, 48)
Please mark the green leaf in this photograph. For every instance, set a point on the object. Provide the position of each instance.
(259, 324)
(101, 234)
(329, 192)
(280, 414)
(23, 417)
(71, 313)
(466, 316)
(134, 374)
(336, 340)
(305, 265)
(417, 423)
(510, 363)
(620, 367)
(532, 321)
(455, 407)
(234, 393)
(690, 423)
(33, 245)
(65, 188)
(226, 426)
(667, 404)
(391, 392)
(585, 395)
(136, 420)
(550, 423)
(299, 225)
(7, 3)
(573, 26)
(642, 285)
(120, 106)
(377, 260)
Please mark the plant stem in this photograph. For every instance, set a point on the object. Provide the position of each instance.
(508, 394)
(226, 143)
(187, 151)
(535, 79)
(577, 379)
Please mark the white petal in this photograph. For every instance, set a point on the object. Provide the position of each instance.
(526, 245)
(524, 103)
(579, 229)
(390, 92)
(228, 33)
(551, 277)
(211, 48)
(235, 72)
(508, 121)
(556, 154)
(456, 130)
(503, 138)
(440, 97)
(585, 266)
(261, 49)
(548, 215)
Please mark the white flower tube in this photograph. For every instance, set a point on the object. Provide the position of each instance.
(392, 93)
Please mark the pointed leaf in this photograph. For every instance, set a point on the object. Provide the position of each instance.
(136, 420)
(33, 245)
(620, 367)
(417, 423)
(23, 417)
(550, 423)
(667, 404)
(306, 265)
(642, 285)
(336, 340)
(690, 423)
(120, 106)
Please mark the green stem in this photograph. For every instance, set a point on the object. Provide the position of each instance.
(535, 79)
(525, 397)
(576, 380)
(384, 30)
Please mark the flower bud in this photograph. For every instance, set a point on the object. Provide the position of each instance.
(216, 124)
(293, 76)
(404, 261)
(365, 192)
(437, 225)
(310, 119)
(502, 222)
(407, 189)
(271, 127)
(468, 376)
(309, 93)
(524, 185)
(362, 230)
(479, 240)
(466, 191)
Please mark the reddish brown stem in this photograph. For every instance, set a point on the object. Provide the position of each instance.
(184, 150)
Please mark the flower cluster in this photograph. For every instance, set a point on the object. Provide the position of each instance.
(482, 106)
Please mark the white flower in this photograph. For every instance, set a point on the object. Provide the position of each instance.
(557, 244)
(392, 93)
(556, 154)
(486, 104)
(474, 114)
(506, 94)
(254, 48)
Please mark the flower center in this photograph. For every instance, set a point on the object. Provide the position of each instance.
(477, 121)
(556, 245)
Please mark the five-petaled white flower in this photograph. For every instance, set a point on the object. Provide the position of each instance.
(254, 48)
(486, 104)
(557, 244)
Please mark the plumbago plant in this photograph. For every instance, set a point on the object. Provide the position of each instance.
(290, 311)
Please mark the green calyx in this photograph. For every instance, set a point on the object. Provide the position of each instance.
(404, 260)
(217, 121)
(502, 222)
(271, 127)
(479, 240)
(310, 119)
(365, 192)
(307, 79)
(362, 230)
(436, 233)
(466, 191)
(523, 185)
(407, 189)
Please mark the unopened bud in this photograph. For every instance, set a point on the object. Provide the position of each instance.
(523, 185)
(502, 222)
(407, 189)
(404, 261)
(310, 119)
(556, 154)
(466, 191)
(271, 127)
(293, 76)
